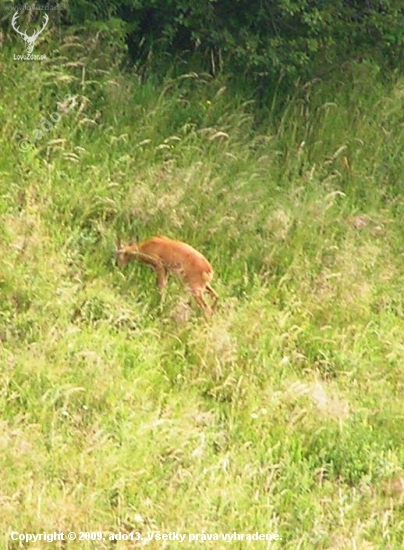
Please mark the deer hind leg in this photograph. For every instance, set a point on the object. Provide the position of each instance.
(214, 294)
(197, 293)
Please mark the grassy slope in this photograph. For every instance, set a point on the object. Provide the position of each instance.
(119, 415)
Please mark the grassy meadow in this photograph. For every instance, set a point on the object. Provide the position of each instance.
(283, 413)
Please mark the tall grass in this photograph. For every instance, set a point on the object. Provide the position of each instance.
(121, 414)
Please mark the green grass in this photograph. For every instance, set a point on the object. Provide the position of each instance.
(284, 412)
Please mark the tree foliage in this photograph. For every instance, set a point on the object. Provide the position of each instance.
(263, 40)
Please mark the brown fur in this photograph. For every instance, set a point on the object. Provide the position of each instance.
(167, 256)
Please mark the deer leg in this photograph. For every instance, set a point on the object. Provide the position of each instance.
(198, 295)
(161, 280)
(214, 294)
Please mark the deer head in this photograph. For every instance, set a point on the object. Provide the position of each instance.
(30, 40)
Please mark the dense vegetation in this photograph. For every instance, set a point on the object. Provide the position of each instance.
(265, 42)
(282, 414)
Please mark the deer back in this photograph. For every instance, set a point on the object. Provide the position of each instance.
(178, 257)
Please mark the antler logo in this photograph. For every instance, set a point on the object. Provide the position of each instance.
(30, 40)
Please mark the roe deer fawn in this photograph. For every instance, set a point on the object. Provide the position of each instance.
(167, 256)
